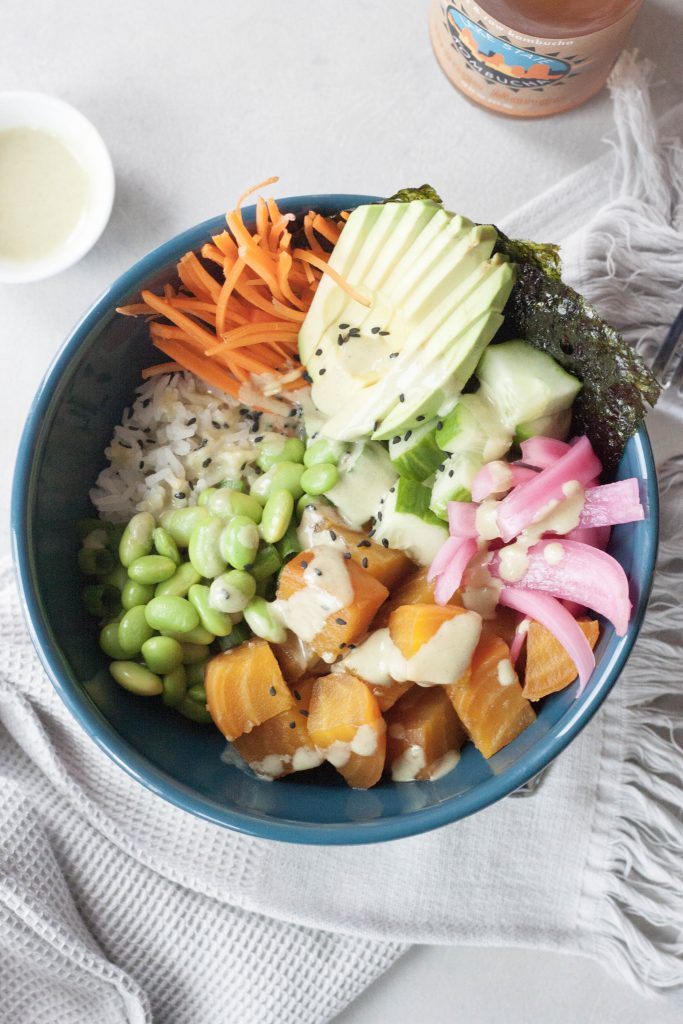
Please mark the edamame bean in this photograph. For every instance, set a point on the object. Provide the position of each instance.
(151, 569)
(226, 502)
(277, 513)
(175, 686)
(162, 654)
(194, 653)
(137, 538)
(324, 450)
(136, 678)
(194, 711)
(95, 561)
(118, 577)
(211, 618)
(165, 544)
(204, 495)
(320, 478)
(283, 476)
(197, 693)
(262, 622)
(231, 592)
(198, 635)
(239, 543)
(280, 449)
(171, 613)
(240, 633)
(180, 522)
(109, 642)
(205, 550)
(195, 673)
(96, 539)
(267, 563)
(101, 600)
(134, 593)
(179, 583)
(134, 630)
(289, 545)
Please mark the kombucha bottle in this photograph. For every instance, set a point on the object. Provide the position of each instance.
(529, 58)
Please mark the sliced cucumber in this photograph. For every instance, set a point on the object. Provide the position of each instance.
(404, 520)
(474, 426)
(416, 454)
(525, 384)
(556, 425)
(453, 482)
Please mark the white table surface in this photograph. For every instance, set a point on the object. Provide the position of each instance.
(197, 101)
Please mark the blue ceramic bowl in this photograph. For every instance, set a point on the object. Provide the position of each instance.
(70, 423)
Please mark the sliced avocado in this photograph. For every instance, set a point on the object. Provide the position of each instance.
(556, 425)
(365, 475)
(416, 454)
(453, 481)
(404, 520)
(524, 383)
(474, 426)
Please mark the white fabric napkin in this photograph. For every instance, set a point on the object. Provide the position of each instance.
(117, 907)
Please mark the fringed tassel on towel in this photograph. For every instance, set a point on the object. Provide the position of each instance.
(629, 262)
(629, 258)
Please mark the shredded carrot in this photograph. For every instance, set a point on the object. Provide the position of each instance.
(243, 319)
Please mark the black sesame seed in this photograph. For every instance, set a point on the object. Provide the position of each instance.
(363, 544)
(340, 621)
(395, 440)
(303, 563)
(419, 418)
(304, 714)
(272, 691)
(297, 695)
(216, 425)
(375, 425)
(342, 646)
(408, 436)
(374, 330)
(347, 555)
(318, 351)
(344, 327)
(333, 535)
(371, 533)
(379, 517)
(146, 402)
(191, 422)
(179, 495)
(364, 562)
(385, 542)
(351, 647)
(341, 340)
(141, 464)
(257, 440)
(442, 467)
(124, 444)
(292, 725)
(393, 355)
(146, 430)
(206, 462)
(439, 425)
(384, 334)
(318, 572)
(322, 372)
(451, 472)
(203, 443)
(401, 398)
(307, 377)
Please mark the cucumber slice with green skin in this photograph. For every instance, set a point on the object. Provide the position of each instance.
(365, 475)
(524, 383)
(454, 481)
(404, 520)
(474, 426)
(556, 425)
(415, 454)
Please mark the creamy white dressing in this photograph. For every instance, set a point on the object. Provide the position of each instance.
(481, 590)
(553, 553)
(307, 757)
(556, 517)
(407, 766)
(501, 476)
(312, 532)
(443, 765)
(272, 766)
(442, 660)
(44, 193)
(506, 673)
(327, 589)
(364, 743)
(338, 753)
(485, 521)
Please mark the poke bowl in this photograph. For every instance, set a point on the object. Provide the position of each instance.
(71, 423)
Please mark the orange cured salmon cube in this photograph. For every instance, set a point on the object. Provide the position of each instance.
(423, 734)
(413, 625)
(244, 688)
(282, 745)
(345, 721)
(413, 590)
(548, 666)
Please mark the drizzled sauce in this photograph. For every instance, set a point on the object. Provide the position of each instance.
(327, 589)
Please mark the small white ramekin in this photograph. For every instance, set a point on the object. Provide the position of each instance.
(49, 114)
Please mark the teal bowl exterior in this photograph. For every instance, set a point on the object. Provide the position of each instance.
(71, 421)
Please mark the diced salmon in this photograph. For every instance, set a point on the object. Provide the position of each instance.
(413, 590)
(422, 729)
(282, 744)
(548, 666)
(413, 625)
(244, 688)
(388, 565)
(345, 720)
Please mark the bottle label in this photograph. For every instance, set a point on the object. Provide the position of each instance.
(516, 73)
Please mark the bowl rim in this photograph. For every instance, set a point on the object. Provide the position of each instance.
(159, 782)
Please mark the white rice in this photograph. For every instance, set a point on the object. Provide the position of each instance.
(179, 437)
